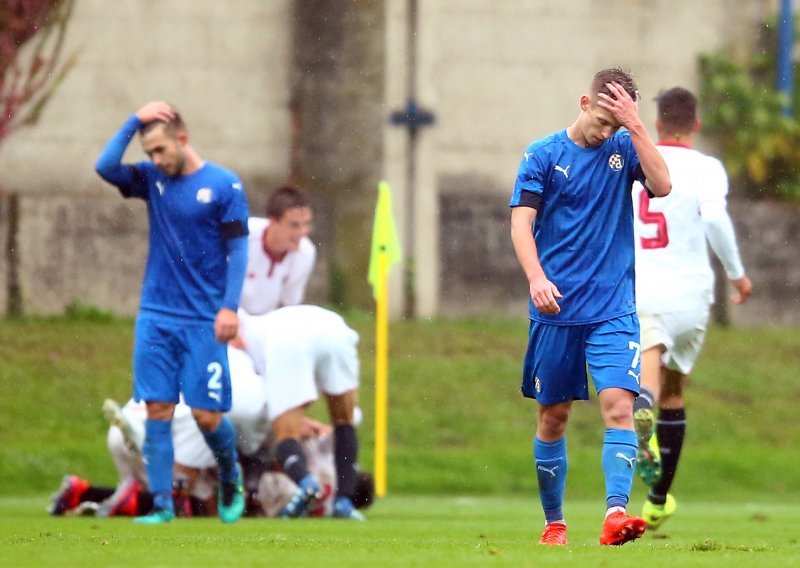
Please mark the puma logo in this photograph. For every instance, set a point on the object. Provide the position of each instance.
(527, 155)
(215, 395)
(564, 171)
(634, 375)
(550, 470)
(630, 461)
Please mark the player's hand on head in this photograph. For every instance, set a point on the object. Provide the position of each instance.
(624, 109)
(744, 289)
(545, 295)
(226, 325)
(156, 110)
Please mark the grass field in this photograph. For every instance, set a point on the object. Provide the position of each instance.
(405, 531)
(458, 427)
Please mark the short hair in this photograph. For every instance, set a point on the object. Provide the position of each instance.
(677, 109)
(171, 128)
(614, 75)
(285, 198)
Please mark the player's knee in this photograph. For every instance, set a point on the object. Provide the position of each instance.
(207, 421)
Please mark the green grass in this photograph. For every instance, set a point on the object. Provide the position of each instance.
(458, 427)
(457, 423)
(406, 531)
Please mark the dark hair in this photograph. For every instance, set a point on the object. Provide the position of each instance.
(365, 490)
(677, 109)
(614, 75)
(285, 198)
(172, 128)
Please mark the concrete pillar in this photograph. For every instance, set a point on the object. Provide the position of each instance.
(337, 90)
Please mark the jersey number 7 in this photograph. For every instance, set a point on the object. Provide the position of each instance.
(648, 217)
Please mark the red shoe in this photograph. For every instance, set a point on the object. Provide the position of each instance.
(68, 495)
(555, 534)
(620, 527)
(124, 502)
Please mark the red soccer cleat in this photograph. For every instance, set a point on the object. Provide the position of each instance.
(620, 527)
(68, 495)
(555, 534)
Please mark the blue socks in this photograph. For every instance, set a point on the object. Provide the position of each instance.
(159, 458)
(551, 470)
(619, 463)
(222, 442)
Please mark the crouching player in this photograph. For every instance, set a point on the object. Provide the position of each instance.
(314, 351)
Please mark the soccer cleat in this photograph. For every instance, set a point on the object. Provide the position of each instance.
(113, 413)
(620, 527)
(648, 459)
(124, 502)
(555, 534)
(655, 515)
(68, 495)
(155, 517)
(302, 500)
(343, 508)
(231, 499)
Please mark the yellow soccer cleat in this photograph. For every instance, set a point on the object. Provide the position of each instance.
(655, 515)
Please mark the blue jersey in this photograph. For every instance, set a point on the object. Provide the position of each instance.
(584, 224)
(193, 220)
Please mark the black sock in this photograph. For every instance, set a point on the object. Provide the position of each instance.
(145, 503)
(644, 400)
(97, 494)
(670, 430)
(345, 451)
(292, 459)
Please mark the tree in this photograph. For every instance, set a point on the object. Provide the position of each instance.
(32, 36)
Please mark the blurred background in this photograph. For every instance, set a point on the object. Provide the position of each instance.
(437, 97)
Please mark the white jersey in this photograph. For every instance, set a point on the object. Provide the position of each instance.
(272, 283)
(300, 351)
(673, 272)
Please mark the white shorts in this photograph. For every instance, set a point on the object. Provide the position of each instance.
(681, 333)
(249, 408)
(302, 351)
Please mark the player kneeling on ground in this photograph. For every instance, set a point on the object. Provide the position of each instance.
(314, 352)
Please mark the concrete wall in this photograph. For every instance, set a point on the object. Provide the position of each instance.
(223, 65)
(277, 93)
(481, 274)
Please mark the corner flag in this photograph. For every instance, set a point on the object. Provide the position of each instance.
(384, 239)
(385, 252)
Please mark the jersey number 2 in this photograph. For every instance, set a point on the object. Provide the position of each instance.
(648, 217)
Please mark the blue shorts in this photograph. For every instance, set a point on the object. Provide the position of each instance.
(171, 356)
(555, 368)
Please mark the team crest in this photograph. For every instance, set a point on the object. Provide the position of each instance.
(204, 195)
(615, 162)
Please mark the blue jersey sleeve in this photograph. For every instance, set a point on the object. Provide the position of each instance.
(531, 174)
(234, 214)
(129, 179)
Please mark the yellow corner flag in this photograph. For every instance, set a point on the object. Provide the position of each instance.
(385, 243)
(385, 252)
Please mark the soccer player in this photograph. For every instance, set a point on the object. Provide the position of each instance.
(314, 351)
(280, 254)
(674, 288)
(572, 229)
(190, 295)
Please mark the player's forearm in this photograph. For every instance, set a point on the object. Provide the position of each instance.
(653, 164)
(722, 238)
(237, 268)
(109, 165)
(525, 248)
